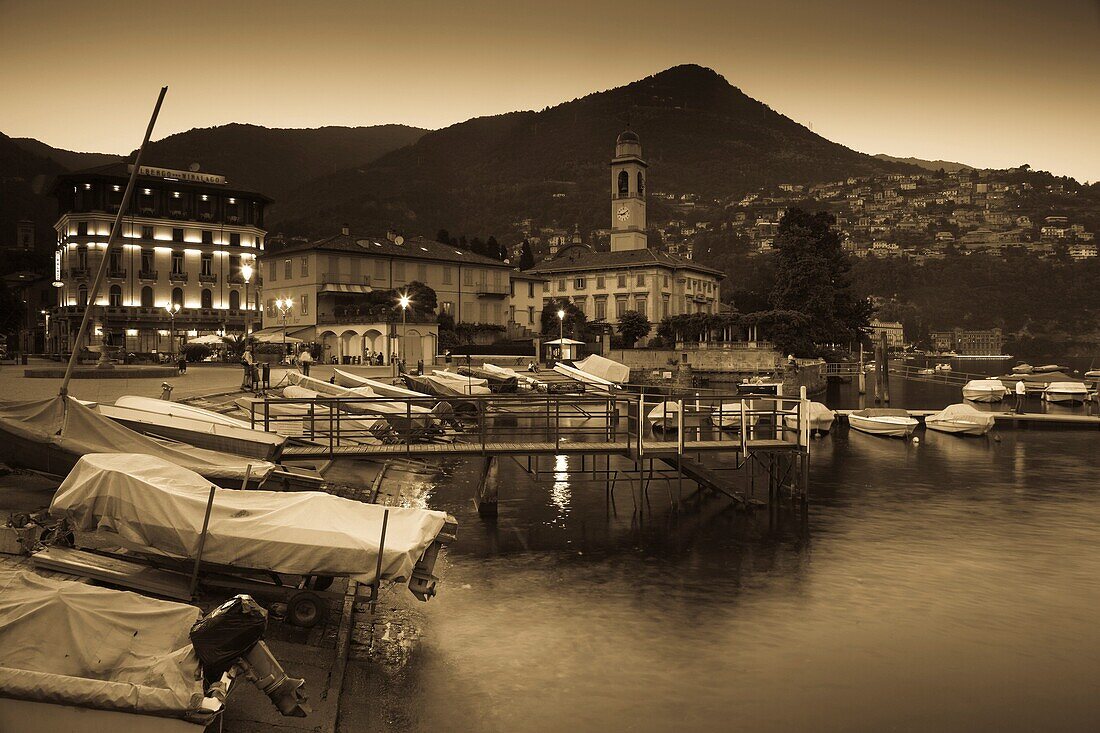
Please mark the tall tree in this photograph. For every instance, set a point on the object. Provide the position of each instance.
(812, 277)
(633, 326)
(526, 257)
(493, 249)
(573, 324)
(422, 298)
(443, 236)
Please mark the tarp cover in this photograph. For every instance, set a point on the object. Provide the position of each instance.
(150, 503)
(964, 413)
(71, 643)
(73, 428)
(604, 368)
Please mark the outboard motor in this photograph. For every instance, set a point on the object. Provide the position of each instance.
(232, 635)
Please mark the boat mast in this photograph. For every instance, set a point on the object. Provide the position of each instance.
(115, 228)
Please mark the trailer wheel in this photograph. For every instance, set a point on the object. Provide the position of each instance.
(306, 609)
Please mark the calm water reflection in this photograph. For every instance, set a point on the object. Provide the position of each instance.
(950, 585)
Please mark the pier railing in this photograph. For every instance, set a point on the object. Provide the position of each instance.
(519, 424)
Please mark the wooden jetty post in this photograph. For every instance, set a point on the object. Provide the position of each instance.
(485, 498)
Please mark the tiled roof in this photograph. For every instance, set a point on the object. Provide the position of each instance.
(580, 257)
(416, 248)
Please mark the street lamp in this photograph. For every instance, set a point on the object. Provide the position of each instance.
(173, 309)
(561, 331)
(403, 301)
(246, 273)
(284, 305)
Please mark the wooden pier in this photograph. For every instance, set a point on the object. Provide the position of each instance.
(596, 428)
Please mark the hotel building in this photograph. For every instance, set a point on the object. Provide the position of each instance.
(184, 241)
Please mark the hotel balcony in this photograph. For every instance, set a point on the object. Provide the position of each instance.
(150, 275)
(116, 274)
(78, 273)
(208, 278)
(177, 277)
(136, 314)
(492, 290)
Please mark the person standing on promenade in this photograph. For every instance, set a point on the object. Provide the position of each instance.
(1021, 394)
(305, 359)
(265, 370)
(246, 364)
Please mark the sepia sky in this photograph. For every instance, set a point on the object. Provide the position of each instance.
(992, 83)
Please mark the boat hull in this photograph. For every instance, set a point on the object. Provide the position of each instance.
(1064, 398)
(45, 716)
(888, 429)
(957, 427)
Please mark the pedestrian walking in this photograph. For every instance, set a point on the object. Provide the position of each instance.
(305, 359)
(266, 375)
(246, 364)
(181, 364)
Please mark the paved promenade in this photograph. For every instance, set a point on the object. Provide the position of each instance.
(199, 380)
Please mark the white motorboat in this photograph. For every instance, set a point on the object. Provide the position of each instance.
(984, 390)
(943, 367)
(1023, 369)
(176, 409)
(820, 416)
(960, 419)
(218, 436)
(1066, 392)
(665, 416)
(883, 421)
(455, 376)
(1092, 374)
(590, 381)
(728, 416)
(383, 389)
(927, 371)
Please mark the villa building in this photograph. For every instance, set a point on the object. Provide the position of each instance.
(631, 277)
(328, 281)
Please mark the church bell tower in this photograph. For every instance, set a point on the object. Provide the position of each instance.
(628, 194)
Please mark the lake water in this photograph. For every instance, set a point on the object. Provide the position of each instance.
(950, 585)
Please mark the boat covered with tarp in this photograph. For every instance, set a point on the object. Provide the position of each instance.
(960, 419)
(819, 416)
(445, 386)
(984, 390)
(604, 368)
(590, 381)
(76, 657)
(146, 504)
(51, 435)
(497, 382)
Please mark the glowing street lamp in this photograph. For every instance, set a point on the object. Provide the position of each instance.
(561, 326)
(172, 309)
(403, 301)
(246, 273)
(284, 305)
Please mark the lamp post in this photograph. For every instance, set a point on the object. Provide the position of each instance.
(404, 302)
(561, 332)
(173, 309)
(284, 305)
(246, 273)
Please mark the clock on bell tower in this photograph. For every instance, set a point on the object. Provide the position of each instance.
(628, 194)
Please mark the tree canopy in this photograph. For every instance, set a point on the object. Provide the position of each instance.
(574, 324)
(632, 327)
(813, 278)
